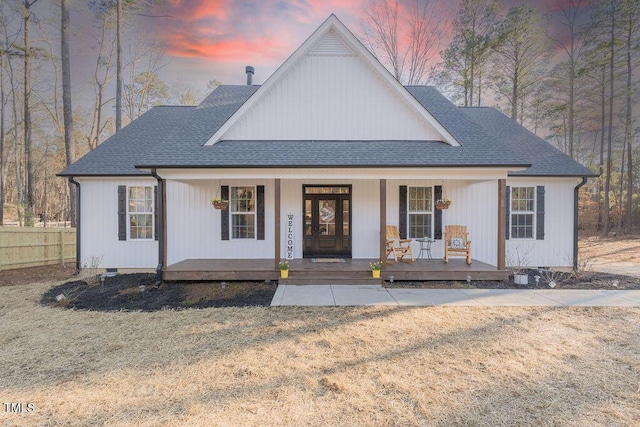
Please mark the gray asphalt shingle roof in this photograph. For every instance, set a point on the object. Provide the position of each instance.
(174, 137)
(546, 160)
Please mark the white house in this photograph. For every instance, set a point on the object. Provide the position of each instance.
(315, 162)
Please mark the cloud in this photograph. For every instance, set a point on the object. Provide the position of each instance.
(238, 30)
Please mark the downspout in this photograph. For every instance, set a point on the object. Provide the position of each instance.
(575, 222)
(161, 237)
(78, 222)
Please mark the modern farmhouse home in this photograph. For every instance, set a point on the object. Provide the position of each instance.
(314, 164)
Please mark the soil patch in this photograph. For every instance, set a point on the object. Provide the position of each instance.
(24, 276)
(136, 292)
(583, 280)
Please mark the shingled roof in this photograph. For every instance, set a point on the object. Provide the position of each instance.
(167, 137)
(546, 160)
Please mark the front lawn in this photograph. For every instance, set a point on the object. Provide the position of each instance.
(291, 366)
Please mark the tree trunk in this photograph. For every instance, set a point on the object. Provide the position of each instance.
(514, 97)
(572, 68)
(2, 164)
(118, 65)
(28, 148)
(607, 184)
(621, 196)
(69, 144)
(603, 123)
(628, 127)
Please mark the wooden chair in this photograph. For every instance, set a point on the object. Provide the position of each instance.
(456, 241)
(400, 248)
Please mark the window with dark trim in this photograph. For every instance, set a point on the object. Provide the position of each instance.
(420, 212)
(242, 204)
(523, 212)
(140, 212)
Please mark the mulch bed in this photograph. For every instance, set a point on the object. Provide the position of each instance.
(589, 280)
(137, 292)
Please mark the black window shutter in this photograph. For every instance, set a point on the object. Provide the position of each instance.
(260, 212)
(122, 212)
(507, 222)
(224, 214)
(156, 214)
(540, 212)
(437, 213)
(402, 221)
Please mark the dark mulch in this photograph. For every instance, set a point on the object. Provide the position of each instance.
(136, 292)
(590, 280)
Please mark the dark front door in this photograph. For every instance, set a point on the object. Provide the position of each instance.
(327, 227)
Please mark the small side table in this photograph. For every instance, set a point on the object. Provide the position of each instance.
(425, 247)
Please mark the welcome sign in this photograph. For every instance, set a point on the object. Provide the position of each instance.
(290, 236)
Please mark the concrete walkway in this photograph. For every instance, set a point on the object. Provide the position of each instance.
(356, 295)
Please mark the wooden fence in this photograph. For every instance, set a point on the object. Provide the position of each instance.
(31, 247)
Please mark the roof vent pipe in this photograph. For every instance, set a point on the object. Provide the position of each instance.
(249, 70)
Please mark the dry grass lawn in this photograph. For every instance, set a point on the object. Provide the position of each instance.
(318, 366)
(611, 249)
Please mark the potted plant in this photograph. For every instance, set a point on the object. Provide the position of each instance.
(375, 268)
(520, 277)
(518, 262)
(220, 203)
(284, 269)
(443, 203)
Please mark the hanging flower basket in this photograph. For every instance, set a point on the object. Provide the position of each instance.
(220, 203)
(443, 204)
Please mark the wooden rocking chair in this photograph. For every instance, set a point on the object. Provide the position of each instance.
(400, 248)
(456, 240)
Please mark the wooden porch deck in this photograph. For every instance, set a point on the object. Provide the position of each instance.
(352, 271)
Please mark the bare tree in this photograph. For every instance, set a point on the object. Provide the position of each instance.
(118, 65)
(609, 12)
(144, 89)
(568, 41)
(405, 40)
(28, 146)
(521, 56)
(474, 39)
(630, 37)
(69, 143)
(2, 117)
(11, 50)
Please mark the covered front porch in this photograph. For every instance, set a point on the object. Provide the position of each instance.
(345, 271)
(198, 242)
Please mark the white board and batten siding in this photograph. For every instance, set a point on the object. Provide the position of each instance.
(193, 224)
(193, 229)
(475, 204)
(331, 94)
(556, 250)
(99, 227)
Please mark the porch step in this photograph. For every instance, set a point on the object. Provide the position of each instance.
(293, 280)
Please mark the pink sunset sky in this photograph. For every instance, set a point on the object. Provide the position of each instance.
(215, 39)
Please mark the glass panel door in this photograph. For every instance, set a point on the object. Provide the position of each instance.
(327, 221)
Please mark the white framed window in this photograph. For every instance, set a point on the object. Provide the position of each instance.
(420, 212)
(140, 215)
(242, 207)
(523, 202)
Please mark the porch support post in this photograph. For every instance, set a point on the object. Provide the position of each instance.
(383, 221)
(502, 223)
(276, 237)
(161, 196)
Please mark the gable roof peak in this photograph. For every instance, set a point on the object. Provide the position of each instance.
(350, 41)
